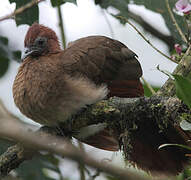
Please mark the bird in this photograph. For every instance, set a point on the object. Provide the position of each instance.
(53, 84)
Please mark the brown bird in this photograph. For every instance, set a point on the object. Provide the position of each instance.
(53, 84)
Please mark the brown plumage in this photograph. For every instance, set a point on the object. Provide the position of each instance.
(53, 84)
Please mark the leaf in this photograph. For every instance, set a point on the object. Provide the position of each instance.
(121, 5)
(176, 145)
(3, 40)
(33, 169)
(29, 16)
(160, 7)
(156, 6)
(4, 144)
(185, 125)
(60, 2)
(183, 89)
(147, 91)
(17, 55)
(111, 178)
(4, 60)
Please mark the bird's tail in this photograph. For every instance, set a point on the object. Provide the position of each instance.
(125, 88)
(121, 88)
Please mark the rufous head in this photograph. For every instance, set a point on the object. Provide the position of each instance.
(40, 40)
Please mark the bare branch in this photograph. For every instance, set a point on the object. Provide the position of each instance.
(168, 39)
(61, 25)
(60, 147)
(175, 23)
(20, 10)
(183, 68)
(124, 18)
(134, 120)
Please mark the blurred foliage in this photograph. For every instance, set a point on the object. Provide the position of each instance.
(111, 178)
(4, 60)
(6, 54)
(183, 89)
(34, 169)
(27, 17)
(60, 2)
(185, 175)
(147, 91)
(16, 55)
(4, 144)
(156, 6)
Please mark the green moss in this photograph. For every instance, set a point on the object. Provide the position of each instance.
(186, 117)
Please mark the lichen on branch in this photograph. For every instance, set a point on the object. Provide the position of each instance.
(141, 125)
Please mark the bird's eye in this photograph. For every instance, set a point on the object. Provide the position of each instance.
(41, 41)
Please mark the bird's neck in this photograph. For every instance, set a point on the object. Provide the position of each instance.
(53, 46)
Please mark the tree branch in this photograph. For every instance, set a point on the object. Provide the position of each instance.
(175, 23)
(61, 25)
(133, 120)
(154, 47)
(183, 68)
(169, 40)
(21, 9)
(52, 144)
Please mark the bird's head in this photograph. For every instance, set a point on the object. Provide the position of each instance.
(40, 40)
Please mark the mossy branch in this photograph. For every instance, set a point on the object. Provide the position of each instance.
(183, 68)
(134, 121)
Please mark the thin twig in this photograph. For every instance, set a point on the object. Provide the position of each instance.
(167, 39)
(61, 24)
(108, 23)
(183, 68)
(175, 23)
(149, 86)
(185, 55)
(21, 9)
(124, 18)
(80, 165)
(54, 145)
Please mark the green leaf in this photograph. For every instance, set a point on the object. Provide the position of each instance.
(4, 63)
(60, 2)
(147, 91)
(3, 40)
(17, 55)
(29, 16)
(4, 144)
(153, 5)
(4, 60)
(185, 125)
(161, 8)
(121, 5)
(111, 178)
(176, 145)
(33, 169)
(183, 89)
(5, 55)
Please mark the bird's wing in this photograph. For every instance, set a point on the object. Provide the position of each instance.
(104, 60)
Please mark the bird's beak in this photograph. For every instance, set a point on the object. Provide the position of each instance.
(26, 52)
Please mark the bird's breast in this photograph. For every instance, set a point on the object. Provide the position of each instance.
(35, 94)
